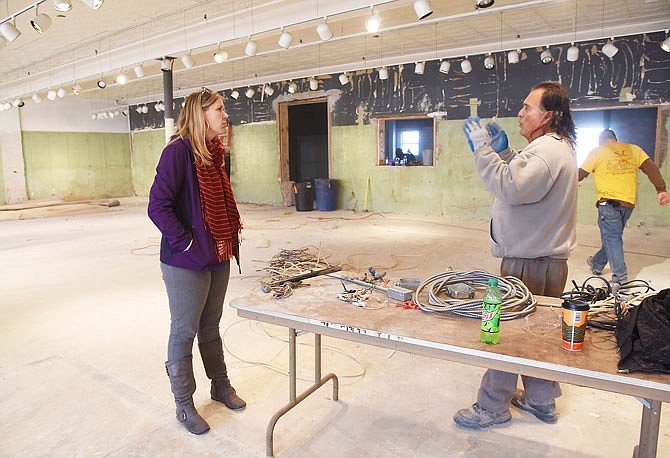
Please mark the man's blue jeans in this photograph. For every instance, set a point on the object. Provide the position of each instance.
(612, 219)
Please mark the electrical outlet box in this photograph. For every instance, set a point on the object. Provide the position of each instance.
(399, 293)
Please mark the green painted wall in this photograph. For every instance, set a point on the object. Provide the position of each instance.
(77, 166)
(147, 148)
(450, 187)
(254, 164)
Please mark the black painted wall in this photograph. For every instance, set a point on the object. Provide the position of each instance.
(640, 67)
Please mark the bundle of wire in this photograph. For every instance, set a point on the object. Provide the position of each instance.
(517, 299)
(288, 264)
(609, 302)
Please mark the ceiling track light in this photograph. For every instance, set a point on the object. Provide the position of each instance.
(76, 89)
(292, 87)
(61, 92)
(609, 49)
(513, 56)
(9, 30)
(51, 95)
(94, 4)
(62, 5)
(41, 22)
(251, 48)
(249, 92)
(268, 90)
(419, 67)
(139, 70)
(445, 66)
(383, 73)
(546, 56)
(323, 29)
(483, 3)
(220, 56)
(37, 98)
(285, 39)
(313, 84)
(101, 83)
(489, 62)
(466, 65)
(344, 79)
(121, 78)
(422, 9)
(18, 103)
(572, 55)
(187, 60)
(373, 22)
(665, 45)
(235, 94)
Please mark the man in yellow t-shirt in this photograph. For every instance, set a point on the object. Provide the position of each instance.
(614, 166)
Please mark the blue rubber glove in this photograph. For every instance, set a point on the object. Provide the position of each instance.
(477, 136)
(499, 140)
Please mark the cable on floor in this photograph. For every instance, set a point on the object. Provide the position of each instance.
(276, 368)
(517, 301)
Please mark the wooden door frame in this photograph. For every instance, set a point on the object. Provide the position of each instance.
(282, 123)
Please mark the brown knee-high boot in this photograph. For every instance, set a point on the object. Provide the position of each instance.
(182, 382)
(215, 367)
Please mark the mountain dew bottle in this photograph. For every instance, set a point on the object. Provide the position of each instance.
(490, 332)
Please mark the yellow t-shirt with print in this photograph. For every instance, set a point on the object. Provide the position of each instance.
(614, 167)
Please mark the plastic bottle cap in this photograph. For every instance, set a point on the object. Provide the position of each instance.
(493, 281)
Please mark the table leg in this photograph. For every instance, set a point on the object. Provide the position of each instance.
(293, 399)
(651, 418)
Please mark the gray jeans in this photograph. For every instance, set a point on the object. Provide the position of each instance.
(196, 306)
(545, 277)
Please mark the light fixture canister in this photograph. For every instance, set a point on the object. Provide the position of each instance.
(383, 73)
(323, 29)
(572, 53)
(9, 31)
(344, 79)
(419, 68)
(445, 66)
(610, 50)
(187, 60)
(41, 22)
(251, 48)
(285, 40)
(422, 9)
(62, 5)
(313, 84)
(489, 62)
(466, 65)
(513, 57)
(139, 70)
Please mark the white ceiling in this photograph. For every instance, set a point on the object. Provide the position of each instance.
(84, 44)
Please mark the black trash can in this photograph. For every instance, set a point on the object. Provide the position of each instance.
(304, 196)
(326, 194)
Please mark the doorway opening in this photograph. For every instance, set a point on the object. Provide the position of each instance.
(304, 140)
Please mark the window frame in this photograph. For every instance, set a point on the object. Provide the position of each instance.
(382, 153)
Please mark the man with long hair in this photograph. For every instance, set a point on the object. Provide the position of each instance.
(532, 228)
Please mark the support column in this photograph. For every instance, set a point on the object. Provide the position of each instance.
(168, 99)
(11, 158)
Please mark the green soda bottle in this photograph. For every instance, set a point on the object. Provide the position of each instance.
(490, 332)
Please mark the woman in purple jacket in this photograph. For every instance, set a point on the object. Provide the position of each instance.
(192, 204)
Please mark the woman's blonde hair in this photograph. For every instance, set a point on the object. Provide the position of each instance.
(192, 124)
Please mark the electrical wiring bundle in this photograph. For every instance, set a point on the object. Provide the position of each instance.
(517, 301)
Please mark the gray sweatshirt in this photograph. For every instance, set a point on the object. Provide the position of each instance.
(535, 209)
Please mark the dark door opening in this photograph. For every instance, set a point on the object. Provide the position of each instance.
(308, 141)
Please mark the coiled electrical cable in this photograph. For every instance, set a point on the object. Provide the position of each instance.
(517, 300)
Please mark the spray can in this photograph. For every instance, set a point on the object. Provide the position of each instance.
(490, 330)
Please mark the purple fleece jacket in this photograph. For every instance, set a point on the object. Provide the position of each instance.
(174, 207)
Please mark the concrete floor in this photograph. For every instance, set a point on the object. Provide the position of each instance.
(84, 329)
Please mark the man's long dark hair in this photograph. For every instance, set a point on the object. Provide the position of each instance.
(555, 99)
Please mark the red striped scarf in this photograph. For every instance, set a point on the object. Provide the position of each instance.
(219, 210)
